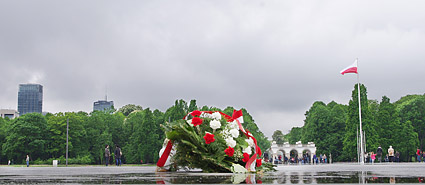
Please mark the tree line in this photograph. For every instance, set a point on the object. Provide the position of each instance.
(136, 130)
(333, 127)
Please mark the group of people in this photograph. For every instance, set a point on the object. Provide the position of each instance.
(392, 156)
(305, 159)
(117, 154)
(320, 159)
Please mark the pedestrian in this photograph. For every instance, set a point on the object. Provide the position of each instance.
(325, 159)
(28, 160)
(391, 154)
(118, 154)
(107, 154)
(397, 156)
(372, 157)
(314, 159)
(379, 153)
(321, 158)
(418, 154)
(8, 163)
(366, 157)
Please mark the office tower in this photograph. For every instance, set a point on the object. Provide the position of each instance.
(30, 98)
(102, 105)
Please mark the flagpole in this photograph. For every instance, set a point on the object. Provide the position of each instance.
(360, 118)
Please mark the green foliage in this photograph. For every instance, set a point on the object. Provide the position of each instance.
(352, 124)
(412, 109)
(128, 109)
(294, 135)
(278, 137)
(27, 135)
(325, 126)
(4, 124)
(334, 126)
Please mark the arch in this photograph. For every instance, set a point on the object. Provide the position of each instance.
(293, 156)
(307, 156)
(292, 151)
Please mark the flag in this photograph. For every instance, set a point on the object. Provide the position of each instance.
(350, 69)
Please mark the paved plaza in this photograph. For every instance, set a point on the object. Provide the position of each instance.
(286, 174)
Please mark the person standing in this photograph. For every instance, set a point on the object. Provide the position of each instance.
(107, 154)
(28, 160)
(418, 154)
(325, 159)
(379, 153)
(118, 154)
(391, 154)
(372, 157)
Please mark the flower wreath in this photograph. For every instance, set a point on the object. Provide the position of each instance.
(213, 142)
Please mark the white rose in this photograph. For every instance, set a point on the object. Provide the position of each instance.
(247, 150)
(234, 133)
(234, 125)
(216, 115)
(250, 141)
(231, 142)
(214, 124)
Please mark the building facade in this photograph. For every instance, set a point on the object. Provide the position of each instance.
(8, 113)
(102, 105)
(30, 98)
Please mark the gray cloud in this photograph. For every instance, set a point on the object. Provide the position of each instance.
(274, 58)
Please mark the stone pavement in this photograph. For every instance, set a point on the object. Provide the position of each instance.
(286, 174)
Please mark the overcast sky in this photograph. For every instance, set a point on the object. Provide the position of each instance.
(274, 58)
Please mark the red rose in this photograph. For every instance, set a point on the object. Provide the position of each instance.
(209, 138)
(229, 151)
(245, 157)
(259, 162)
(196, 121)
(196, 113)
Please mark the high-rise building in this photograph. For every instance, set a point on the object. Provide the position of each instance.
(30, 98)
(102, 105)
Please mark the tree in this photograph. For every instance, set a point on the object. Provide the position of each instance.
(278, 137)
(294, 135)
(4, 123)
(406, 141)
(56, 125)
(336, 130)
(129, 108)
(388, 123)
(413, 110)
(352, 124)
(27, 135)
(144, 142)
(98, 134)
(176, 112)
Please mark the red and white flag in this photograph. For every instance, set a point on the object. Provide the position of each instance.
(350, 69)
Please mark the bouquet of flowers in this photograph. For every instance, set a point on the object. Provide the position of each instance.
(213, 142)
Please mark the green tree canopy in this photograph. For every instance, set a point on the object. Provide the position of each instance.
(278, 137)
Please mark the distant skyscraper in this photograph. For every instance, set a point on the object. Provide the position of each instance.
(30, 98)
(102, 105)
